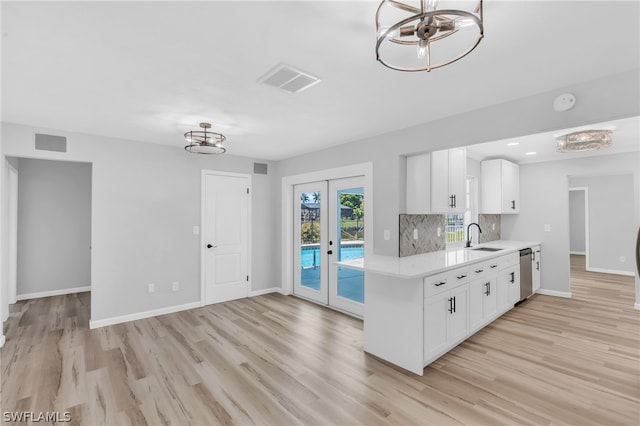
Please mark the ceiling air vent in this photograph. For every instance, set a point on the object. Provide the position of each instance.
(288, 79)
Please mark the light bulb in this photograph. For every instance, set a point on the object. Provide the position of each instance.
(464, 22)
(431, 5)
(423, 46)
(390, 34)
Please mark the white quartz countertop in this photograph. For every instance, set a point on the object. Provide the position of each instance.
(423, 265)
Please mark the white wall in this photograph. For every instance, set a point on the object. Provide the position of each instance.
(577, 234)
(612, 231)
(54, 226)
(544, 199)
(145, 202)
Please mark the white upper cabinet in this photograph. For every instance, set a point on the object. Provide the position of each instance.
(436, 181)
(500, 180)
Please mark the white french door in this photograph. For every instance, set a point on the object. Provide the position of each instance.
(226, 223)
(329, 227)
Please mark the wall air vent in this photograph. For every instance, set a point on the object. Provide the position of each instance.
(51, 143)
(260, 168)
(288, 79)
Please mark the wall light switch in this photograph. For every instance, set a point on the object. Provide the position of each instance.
(415, 233)
(196, 230)
(151, 288)
(547, 228)
(387, 235)
(175, 286)
(439, 231)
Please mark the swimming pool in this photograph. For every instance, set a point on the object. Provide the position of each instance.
(350, 282)
(310, 255)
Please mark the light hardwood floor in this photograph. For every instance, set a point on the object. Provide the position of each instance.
(277, 360)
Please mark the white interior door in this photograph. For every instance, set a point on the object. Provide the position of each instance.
(310, 277)
(226, 224)
(346, 241)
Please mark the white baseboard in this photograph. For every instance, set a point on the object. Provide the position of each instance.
(611, 271)
(566, 294)
(52, 293)
(2, 340)
(579, 253)
(264, 291)
(142, 315)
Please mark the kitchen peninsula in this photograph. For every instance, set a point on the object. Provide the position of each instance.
(420, 307)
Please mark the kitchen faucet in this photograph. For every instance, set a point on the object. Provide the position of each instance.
(469, 235)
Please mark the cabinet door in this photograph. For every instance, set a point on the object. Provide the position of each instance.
(536, 266)
(436, 313)
(418, 184)
(490, 299)
(457, 178)
(504, 277)
(510, 187)
(514, 287)
(440, 182)
(459, 320)
(476, 294)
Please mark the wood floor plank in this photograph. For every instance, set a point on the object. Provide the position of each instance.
(279, 360)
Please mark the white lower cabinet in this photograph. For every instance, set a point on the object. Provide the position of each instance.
(483, 301)
(445, 320)
(452, 315)
(508, 288)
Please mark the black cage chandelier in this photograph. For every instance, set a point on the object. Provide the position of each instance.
(204, 142)
(414, 35)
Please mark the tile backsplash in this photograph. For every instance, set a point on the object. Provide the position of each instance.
(490, 225)
(426, 226)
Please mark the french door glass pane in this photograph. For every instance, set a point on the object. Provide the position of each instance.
(310, 233)
(350, 242)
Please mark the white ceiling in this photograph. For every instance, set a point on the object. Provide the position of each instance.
(151, 71)
(626, 138)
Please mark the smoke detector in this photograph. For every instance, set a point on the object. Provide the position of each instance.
(564, 102)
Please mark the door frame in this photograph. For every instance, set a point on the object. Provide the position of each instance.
(204, 174)
(288, 182)
(12, 232)
(585, 189)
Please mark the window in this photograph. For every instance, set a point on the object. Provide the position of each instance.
(456, 223)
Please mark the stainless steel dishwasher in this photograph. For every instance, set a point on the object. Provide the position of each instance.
(526, 282)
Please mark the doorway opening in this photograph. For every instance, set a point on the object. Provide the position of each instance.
(49, 230)
(602, 235)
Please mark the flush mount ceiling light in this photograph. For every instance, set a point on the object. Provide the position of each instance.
(585, 140)
(416, 36)
(204, 142)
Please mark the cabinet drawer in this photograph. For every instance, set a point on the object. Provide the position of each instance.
(479, 270)
(435, 284)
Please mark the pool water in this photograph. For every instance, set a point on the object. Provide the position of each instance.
(350, 282)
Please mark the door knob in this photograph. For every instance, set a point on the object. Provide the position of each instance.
(330, 252)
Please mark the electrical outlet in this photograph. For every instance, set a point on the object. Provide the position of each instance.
(151, 288)
(175, 286)
(623, 259)
(415, 233)
(387, 235)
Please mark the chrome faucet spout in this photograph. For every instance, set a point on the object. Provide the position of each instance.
(468, 244)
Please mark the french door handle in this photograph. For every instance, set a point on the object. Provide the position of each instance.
(210, 246)
(329, 251)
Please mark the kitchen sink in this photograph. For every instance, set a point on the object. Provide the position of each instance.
(487, 249)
